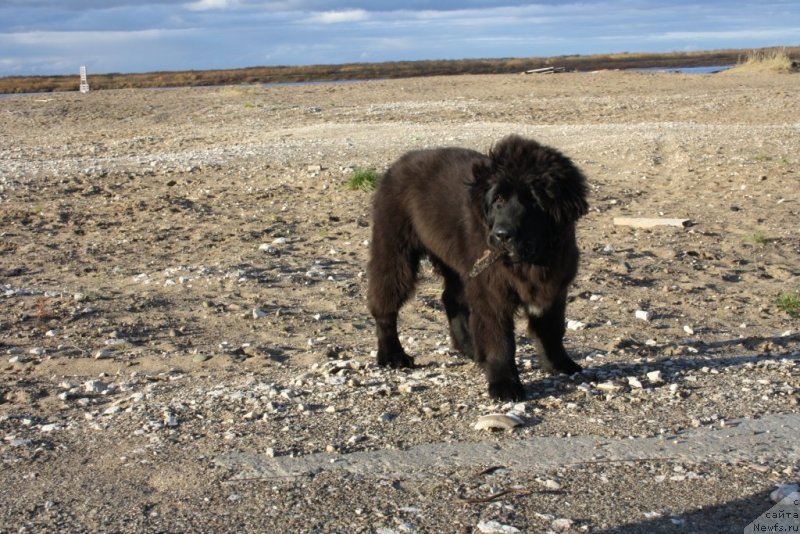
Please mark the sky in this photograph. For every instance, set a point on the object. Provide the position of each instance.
(58, 36)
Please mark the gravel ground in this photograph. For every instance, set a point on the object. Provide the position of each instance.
(182, 296)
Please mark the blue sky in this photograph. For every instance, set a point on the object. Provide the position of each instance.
(57, 36)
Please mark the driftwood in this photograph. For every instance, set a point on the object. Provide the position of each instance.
(637, 222)
(546, 70)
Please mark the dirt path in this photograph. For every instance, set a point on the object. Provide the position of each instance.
(182, 281)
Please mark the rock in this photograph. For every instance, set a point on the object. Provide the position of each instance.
(170, 419)
(410, 387)
(200, 358)
(258, 314)
(561, 525)
(103, 354)
(552, 485)
(783, 491)
(37, 351)
(498, 421)
(575, 325)
(494, 527)
(634, 382)
(95, 386)
(358, 438)
(688, 329)
(609, 387)
(643, 315)
(655, 377)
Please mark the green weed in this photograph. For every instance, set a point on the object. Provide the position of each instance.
(790, 303)
(363, 180)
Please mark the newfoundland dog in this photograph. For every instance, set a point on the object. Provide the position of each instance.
(500, 229)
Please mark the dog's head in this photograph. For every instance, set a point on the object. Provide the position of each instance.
(530, 196)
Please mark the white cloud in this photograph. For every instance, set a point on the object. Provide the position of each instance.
(208, 5)
(338, 17)
(62, 39)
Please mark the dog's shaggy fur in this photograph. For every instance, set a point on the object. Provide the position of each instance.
(520, 202)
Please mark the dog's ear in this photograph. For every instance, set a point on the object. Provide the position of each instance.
(481, 171)
(479, 186)
(564, 195)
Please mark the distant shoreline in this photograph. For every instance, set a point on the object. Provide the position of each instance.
(371, 71)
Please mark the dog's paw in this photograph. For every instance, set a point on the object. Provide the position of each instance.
(395, 360)
(507, 390)
(566, 367)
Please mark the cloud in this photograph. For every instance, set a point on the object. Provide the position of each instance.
(338, 17)
(208, 5)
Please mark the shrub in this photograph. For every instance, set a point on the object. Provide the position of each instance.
(790, 303)
(363, 180)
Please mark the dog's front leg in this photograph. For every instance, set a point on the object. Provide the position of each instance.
(547, 330)
(493, 335)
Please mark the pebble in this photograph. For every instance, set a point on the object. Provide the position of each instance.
(95, 386)
(655, 377)
(575, 325)
(609, 387)
(170, 419)
(37, 351)
(688, 329)
(410, 387)
(102, 354)
(783, 491)
(562, 524)
(494, 527)
(258, 314)
(643, 315)
(200, 358)
(634, 382)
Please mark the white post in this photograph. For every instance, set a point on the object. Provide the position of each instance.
(84, 82)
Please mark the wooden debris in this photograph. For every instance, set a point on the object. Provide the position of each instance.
(645, 222)
(546, 70)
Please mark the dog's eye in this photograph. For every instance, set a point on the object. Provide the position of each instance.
(499, 200)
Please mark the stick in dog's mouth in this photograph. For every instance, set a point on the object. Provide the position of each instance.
(485, 261)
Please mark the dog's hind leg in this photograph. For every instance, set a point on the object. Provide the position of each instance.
(457, 309)
(392, 274)
(548, 330)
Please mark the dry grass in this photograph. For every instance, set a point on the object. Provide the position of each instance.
(775, 60)
(367, 71)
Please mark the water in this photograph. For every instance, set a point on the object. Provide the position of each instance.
(689, 70)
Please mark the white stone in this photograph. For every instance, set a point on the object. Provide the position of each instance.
(643, 315)
(95, 386)
(783, 491)
(562, 524)
(170, 419)
(494, 527)
(634, 382)
(655, 377)
(575, 325)
(688, 329)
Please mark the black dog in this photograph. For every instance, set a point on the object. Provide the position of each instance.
(501, 231)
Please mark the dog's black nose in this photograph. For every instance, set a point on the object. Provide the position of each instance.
(501, 234)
